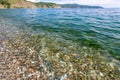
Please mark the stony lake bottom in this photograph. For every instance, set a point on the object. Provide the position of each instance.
(60, 44)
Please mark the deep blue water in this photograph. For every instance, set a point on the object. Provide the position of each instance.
(97, 28)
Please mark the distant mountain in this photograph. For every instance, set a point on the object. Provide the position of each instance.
(78, 6)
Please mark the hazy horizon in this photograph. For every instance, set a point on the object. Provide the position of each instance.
(103, 3)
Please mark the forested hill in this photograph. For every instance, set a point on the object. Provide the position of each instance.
(47, 5)
(26, 4)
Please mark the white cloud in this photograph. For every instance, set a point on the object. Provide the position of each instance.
(104, 3)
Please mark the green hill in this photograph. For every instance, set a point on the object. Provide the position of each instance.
(46, 5)
(26, 4)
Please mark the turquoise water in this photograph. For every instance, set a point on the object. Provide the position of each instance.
(96, 28)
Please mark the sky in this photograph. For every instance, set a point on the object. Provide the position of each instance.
(103, 3)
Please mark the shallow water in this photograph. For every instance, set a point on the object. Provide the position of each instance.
(95, 28)
(71, 44)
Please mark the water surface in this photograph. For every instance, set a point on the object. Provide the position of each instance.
(96, 28)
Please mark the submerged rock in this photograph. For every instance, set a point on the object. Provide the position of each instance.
(40, 58)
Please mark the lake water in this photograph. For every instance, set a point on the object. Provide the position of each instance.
(95, 28)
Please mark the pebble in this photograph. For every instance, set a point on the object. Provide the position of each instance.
(24, 62)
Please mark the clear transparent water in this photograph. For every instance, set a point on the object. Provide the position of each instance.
(97, 28)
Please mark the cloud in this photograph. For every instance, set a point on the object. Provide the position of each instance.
(104, 3)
